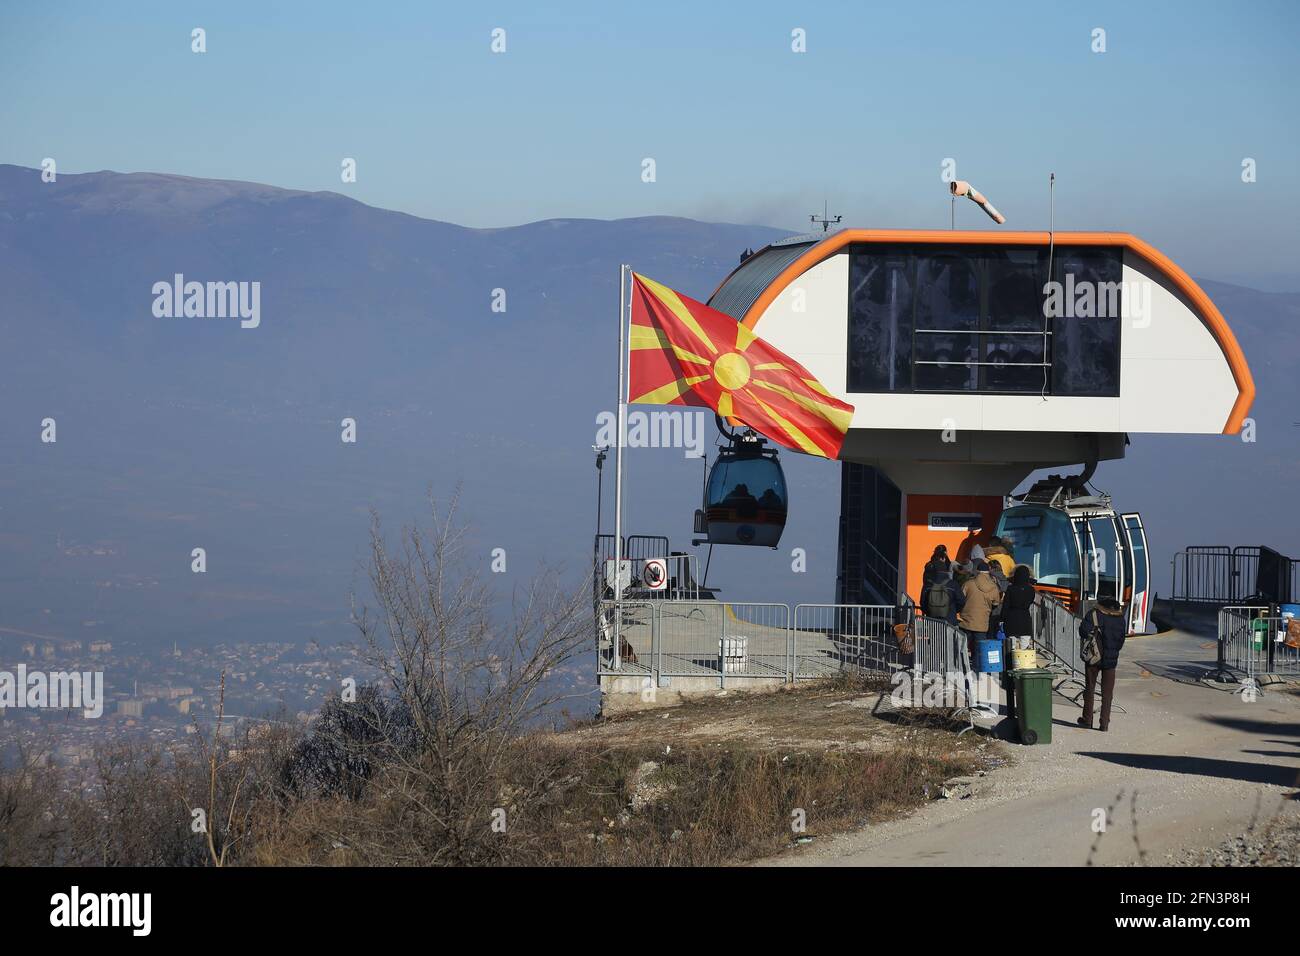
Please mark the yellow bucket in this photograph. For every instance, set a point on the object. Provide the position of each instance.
(1024, 659)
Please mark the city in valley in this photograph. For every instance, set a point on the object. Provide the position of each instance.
(164, 694)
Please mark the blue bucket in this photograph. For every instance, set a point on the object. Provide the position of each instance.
(988, 657)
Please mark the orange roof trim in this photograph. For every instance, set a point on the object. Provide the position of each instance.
(1209, 313)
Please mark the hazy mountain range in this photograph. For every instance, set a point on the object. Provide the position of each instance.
(184, 432)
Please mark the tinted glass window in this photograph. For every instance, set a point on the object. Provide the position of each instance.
(972, 318)
(1086, 333)
(1102, 561)
(1014, 279)
(947, 302)
(880, 323)
(1042, 539)
(747, 485)
(1138, 539)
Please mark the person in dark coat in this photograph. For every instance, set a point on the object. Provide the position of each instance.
(932, 600)
(1017, 625)
(1107, 620)
(939, 561)
(1017, 606)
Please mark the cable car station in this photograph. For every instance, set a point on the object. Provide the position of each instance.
(968, 360)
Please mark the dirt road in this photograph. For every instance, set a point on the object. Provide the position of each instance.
(1185, 767)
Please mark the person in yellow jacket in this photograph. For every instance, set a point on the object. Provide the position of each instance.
(997, 551)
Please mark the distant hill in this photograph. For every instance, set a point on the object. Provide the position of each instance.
(176, 433)
(182, 432)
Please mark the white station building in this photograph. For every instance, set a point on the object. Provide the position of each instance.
(974, 358)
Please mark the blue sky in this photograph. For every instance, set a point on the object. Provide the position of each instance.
(1147, 137)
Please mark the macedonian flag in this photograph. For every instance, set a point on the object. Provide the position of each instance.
(685, 353)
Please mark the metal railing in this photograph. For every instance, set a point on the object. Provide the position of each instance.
(1252, 646)
(1218, 574)
(756, 641)
(828, 638)
(728, 641)
(1056, 637)
(940, 646)
(880, 575)
(637, 640)
(942, 656)
(690, 636)
(745, 640)
(638, 549)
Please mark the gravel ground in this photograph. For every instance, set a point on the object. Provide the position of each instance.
(1275, 842)
(1184, 770)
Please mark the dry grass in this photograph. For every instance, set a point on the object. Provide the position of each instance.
(730, 778)
(439, 762)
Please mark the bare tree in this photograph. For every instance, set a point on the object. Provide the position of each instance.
(30, 828)
(225, 772)
(468, 687)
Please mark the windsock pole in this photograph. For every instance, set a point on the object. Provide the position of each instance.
(624, 271)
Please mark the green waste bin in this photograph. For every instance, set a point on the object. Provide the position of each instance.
(1034, 704)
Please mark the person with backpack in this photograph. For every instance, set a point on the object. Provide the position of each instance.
(1103, 630)
(939, 561)
(943, 599)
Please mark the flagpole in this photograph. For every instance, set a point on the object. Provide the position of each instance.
(618, 465)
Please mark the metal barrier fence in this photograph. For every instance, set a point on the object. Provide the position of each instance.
(1056, 637)
(756, 641)
(1218, 574)
(940, 647)
(637, 641)
(672, 638)
(690, 636)
(1208, 575)
(682, 569)
(745, 640)
(828, 638)
(1251, 646)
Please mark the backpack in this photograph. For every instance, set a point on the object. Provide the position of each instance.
(999, 577)
(1090, 649)
(940, 600)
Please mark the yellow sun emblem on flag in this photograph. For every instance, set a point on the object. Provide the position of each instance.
(731, 371)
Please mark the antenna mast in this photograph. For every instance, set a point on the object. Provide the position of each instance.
(825, 220)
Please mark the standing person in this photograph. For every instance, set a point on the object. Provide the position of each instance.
(939, 561)
(1017, 624)
(999, 553)
(943, 598)
(1017, 603)
(1001, 580)
(981, 598)
(1107, 623)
